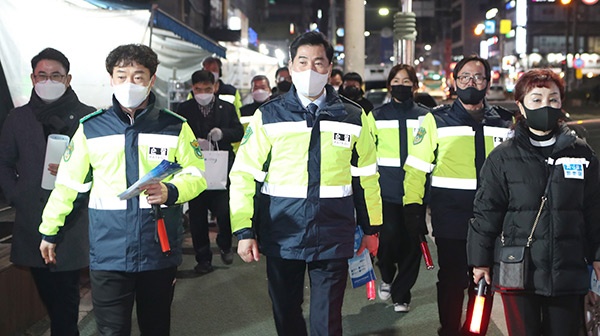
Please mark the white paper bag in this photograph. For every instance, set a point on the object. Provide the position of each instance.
(55, 148)
(215, 163)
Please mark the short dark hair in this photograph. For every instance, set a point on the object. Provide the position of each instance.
(259, 78)
(50, 54)
(211, 60)
(471, 58)
(337, 71)
(203, 76)
(311, 38)
(352, 76)
(410, 70)
(127, 54)
(280, 70)
(538, 78)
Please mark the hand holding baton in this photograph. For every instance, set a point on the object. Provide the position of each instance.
(161, 230)
(426, 253)
(478, 307)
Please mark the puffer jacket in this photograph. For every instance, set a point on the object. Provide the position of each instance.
(567, 237)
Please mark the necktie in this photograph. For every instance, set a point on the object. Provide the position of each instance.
(312, 115)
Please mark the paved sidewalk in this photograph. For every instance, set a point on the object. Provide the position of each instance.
(233, 300)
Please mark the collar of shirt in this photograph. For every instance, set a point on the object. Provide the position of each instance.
(206, 109)
(319, 101)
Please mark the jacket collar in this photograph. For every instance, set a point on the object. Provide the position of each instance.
(333, 105)
(139, 113)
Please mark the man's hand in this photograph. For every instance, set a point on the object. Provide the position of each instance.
(248, 250)
(215, 134)
(482, 272)
(53, 168)
(414, 219)
(370, 242)
(48, 253)
(156, 193)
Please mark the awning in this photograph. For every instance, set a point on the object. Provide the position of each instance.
(165, 21)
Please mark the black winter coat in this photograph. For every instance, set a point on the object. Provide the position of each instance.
(567, 237)
(22, 152)
(223, 116)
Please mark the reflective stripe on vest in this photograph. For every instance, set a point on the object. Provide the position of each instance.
(453, 183)
(301, 191)
(419, 164)
(364, 171)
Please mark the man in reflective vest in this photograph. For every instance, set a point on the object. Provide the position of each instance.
(109, 152)
(314, 158)
(452, 144)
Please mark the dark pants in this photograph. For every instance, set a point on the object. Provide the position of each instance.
(217, 201)
(399, 254)
(534, 315)
(454, 277)
(286, 289)
(113, 295)
(59, 292)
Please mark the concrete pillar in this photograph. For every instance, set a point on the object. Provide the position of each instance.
(354, 37)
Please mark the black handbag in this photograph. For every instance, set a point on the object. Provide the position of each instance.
(514, 260)
(514, 263)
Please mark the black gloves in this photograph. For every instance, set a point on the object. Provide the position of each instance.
(414, 219)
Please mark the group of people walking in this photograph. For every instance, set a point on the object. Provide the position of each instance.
(313, 162)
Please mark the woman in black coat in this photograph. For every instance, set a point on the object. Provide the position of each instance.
(567, 236)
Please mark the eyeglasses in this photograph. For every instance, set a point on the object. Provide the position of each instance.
(477, 79)
(55, 77)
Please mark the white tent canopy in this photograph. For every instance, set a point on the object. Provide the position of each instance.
(85, 35)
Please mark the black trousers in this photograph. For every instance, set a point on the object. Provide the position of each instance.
(399, 254)
(327, 285)
(113, 295)
(217, 201)
(454, 276)
(59, 292)
(535, 315)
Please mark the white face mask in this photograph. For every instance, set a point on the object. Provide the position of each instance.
(260, 95)
(49, 91)
(131, 95)
(216, 74)
(204, 98)
(309, 83)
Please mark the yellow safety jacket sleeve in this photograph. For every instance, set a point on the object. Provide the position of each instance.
(366, 171)
(420, 161)
(70, 181)
(186, 181)
(248, 167)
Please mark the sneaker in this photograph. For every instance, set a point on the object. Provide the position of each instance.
(227, 257)
(401, 307)
(203, 268)
(384, 291)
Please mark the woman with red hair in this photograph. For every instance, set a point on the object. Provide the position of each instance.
(539, 189)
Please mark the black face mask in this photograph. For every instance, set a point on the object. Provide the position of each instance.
(543, 118)
(402, 92)
(284, 86)
(470, 95)
(351, 92)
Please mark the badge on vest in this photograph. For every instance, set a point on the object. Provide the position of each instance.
(157, 153)
(573, 170)
(341, 140)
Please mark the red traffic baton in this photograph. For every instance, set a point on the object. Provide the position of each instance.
(478, 307)
(161, 230)
(426, 253)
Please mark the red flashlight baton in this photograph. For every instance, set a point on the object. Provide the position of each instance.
(478, 305)
(426, 253)
(371, 290)
(161, 230)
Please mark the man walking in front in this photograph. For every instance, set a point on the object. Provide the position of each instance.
(311, 182)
